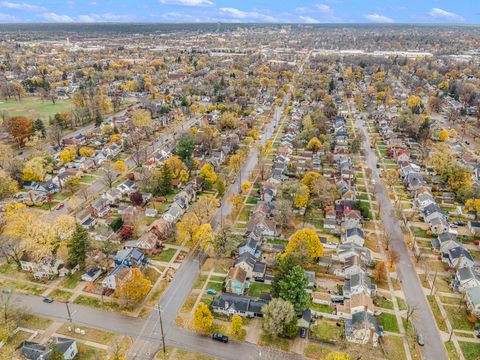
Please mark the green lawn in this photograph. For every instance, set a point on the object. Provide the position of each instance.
(70, 282)
(218, 287)
(327, 330)
(389, 322)
(321, 308)
(86, 352)
(436, 313)
(60, 295)
(257, 288)
(99, 336)
(35, 322)
(386, 304)
(217, 278)
(165, 255)
(393, 347)
(458, 318)
(96, 303)
(471, 351)
(452, 353)
(35, 108)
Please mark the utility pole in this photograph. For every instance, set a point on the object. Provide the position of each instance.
(161, 328)
(69, 316)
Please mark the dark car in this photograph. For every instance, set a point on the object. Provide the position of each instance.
(47, 299)
(420, 340)
(220, 337)
(303, 333)
(477, 331)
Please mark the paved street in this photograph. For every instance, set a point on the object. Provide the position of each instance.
(423, 319)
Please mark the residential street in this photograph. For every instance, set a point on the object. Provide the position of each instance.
(423, 320)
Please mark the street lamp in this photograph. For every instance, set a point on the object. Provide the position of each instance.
(161, 327)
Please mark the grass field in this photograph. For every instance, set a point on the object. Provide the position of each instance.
(389, 322)
(34, 107)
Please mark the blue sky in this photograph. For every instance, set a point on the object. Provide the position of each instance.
(323, 11)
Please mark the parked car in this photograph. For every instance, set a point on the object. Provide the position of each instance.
(59, 206)
(220, 337)
(303, 332)
(47, 299)
(211, 292)
(477, 331)
(420, 340)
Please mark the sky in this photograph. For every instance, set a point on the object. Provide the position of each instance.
(261, 11)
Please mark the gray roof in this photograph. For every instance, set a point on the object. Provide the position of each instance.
(474, 295)
(238, 303)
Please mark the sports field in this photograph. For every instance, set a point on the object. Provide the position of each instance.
(34, 107)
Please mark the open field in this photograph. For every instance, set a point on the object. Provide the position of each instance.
(34, 107)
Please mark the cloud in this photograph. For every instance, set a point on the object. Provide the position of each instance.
(187, 2)
(302, 10)
(377, 18)
(324, 9)
(246, 15)
(89, 18)
(445, 15)
(53, 17)
(7, 17)
(21, 6)
(309, 20)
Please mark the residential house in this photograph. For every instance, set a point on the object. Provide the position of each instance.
(345, 251)
(147, 243)
(424, 199)
(236, 281)
(465, 278)
(45, 268)
(35, 351)
(251, 265)
(445, 241)
(474, 227)
(251, 246)
(173, 214)
(117, 276)
(130, 258)
(311, 277)
(359, 283)
(472, 297)
(362, 328)
(354, 235)
(245, 306)
(91, 274)
(354, 265)
(439, 224)
(127, 187)
(84, 218)
(100, 207)
(458, 257)
(112, 196)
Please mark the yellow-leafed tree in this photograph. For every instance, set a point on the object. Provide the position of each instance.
(142, 118)
(301, 198)
(314, 144)
(237, 323)
(203, 318)
(305, 241)
(68, 154)
(135, 288)
(337, 356)
(86, 151)
(443, 135)
(36, 168)
(120, 166)
(208, 175)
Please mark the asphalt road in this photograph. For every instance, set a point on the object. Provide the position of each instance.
(423, 320)
(182, 283)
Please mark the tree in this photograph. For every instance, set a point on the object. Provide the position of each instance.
(135, 288)
(305, 243)
(302, 196)
(473, 205)
(202, 318)
(236, 326)
(36, 168)
(108, 176)
(86, 151)
(142, 118)
(414, 102)
(203, 234)
(220, 185)
(19, 127)
(39, 126)
(72, 184)
(136, 198)
(284, 264)
(165, 186)
(176, 166)
(208, 175)
(68, 154)
(184, 149)
(314, 144)
(187, 227)
(246, 187)
(283, 214)
(277, 315)
(236, 200)
(204, 208)
(225, 242)
(380, 272)
(120, 166)
(293, 288)
(337, 356)
(78, 245)
(10, 315)
(443, 135)
(8, 186)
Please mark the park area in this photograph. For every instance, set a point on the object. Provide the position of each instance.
(34, 108)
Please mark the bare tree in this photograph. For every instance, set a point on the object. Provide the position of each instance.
(108, 176)
(411, 311)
